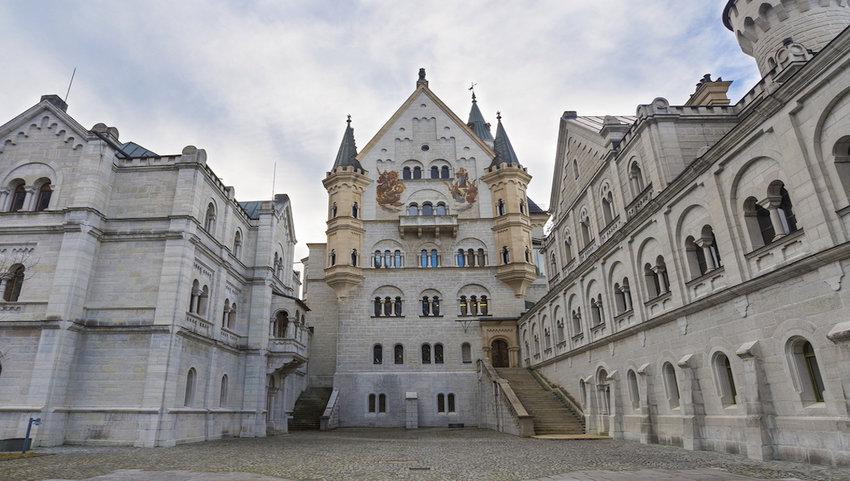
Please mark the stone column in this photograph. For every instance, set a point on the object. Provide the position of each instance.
(840, 335)
(705, 245)
(647, 428)
(772, 206)
(627, 298)
(615, 415)
(759, 439)
(691, 404)
(4, 198)
(29, 199)
(513, 356)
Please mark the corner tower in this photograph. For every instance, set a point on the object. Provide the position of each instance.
(778, 33)
(345, 184)
(508, 181)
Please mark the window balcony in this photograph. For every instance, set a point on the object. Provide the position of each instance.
(639, 202)
(610, 229)
(587, 250)
(285, 354)
(707, 283)
(198, 325)
(431, 224)
(780, 251)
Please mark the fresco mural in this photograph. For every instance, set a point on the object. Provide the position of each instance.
(463, 190)
(389, 189)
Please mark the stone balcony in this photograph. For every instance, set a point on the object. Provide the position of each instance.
(431, 224)
(639, 202)
(610, 229)
(198, 325)
(285, 354)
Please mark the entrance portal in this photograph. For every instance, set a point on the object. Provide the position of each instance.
(499, 354)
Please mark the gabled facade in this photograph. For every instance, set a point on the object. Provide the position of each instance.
(142, 303)
(436, 260)
(698, 252)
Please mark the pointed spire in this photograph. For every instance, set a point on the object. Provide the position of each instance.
(502, 146)
(476, 121)
(347, 155)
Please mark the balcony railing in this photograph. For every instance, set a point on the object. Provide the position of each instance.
(286, 346)
(609, 230)
(588, 249)
(639, 202)
(432, 224)
(198, 324)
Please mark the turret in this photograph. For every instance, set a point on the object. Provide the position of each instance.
(345, 184)
(477, 123)
(785, 33)
(508, 181)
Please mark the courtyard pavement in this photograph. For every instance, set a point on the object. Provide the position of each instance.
(396, 454)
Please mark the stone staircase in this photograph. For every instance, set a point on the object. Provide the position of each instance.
(551, 415)
(309, 408)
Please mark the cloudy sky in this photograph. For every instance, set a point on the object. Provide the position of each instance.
(265, 81)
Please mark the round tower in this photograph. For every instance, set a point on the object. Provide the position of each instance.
(776, 32)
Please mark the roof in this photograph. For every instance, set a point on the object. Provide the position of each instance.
(132, 150)
(347, 155)
(503, 148)
(596, 122)
(533, 208)
(477, 123)
(252, 208)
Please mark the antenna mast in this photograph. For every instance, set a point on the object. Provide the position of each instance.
(274, 177)
(69, 84)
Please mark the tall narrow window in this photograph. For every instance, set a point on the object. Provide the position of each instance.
(500, 207)
(354, 257)
(435, 306)
(333, 210)
(44, 194)
(18, 197)
(671, 385)
(237, 244)
(189, 398)
(397, 259)
(466, 353)
(575, 168)
(585, 231)
(222, 396)
(441, 403)
(378, 307)
(388, 259)
(378, 259)
(427, 209)
(423, 258)
(634, 390)
(441, 209)
(506, 255)
(426, 354)
(332, 258)
(450, 403)
(636, 179)
(397, 310)
(209, 219)
(527, 256)
(608, 208)
(786, 212)
(417, 172)
(14, 283)
(372, 403)
(482, 306)
(482, 259)
(382, 403)
(730, 380)
(438, 353)
(377, 354)
(231, 316)
(435, 172)
(355, 210)
(413, 209)
(521, 207)
(405, 173)
(398, 354)
(813, 371)
(226, 312)
(434, 259)
(473, 305)
(460, 260)
(426, 306)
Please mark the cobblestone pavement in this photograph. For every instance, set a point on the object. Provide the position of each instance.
(396, 454)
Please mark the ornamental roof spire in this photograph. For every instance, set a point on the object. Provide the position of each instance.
(502, 146)
(347, 155)
(476, 121)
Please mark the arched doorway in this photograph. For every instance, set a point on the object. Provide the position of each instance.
(499, 353)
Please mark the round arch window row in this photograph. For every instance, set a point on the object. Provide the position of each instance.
(389, 306)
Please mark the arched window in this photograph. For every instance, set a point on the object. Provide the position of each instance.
(470, 257)
(426, 306)
(44, 194)
(608, 208)
(398, 354)
(435, 172)
(696, 258)
(333, 210)
(725, 380)
(500, 207)
(209, 219)
(619, 299)
(203, 301)
(426, 354)
(653, 286)
(444, 172)
(634, 390)
(441, 403)
(807, 370)
(559, 324)
(527, 255)
(354, 257)
(222, 396)
(377, 354)
(434, 258)
(568, 249)
(460, 259)
(19, 195)
(671, 385)
(382, 403)
(332, 259)
(464, 308)
(281, 324)
(417, 172)
(372, 404)
(576, 316)
(473, 305)
(841, 151)
(405, 173)
(427, 209)
(355, 210)
(231, 316)
(441, 209)
(554, 263)
(237, 244)
(759, 225)
(585, 231)
(482, 258)
(506, 255)
(451, 402)
(438, 353)
(397, 258)
(575, 168)
(397, 310)
(14, 283)
(596, 312)
(378, 307)
(466, 353)
(226, 312)
(522, 207)
(378, 259)
(547, 338)
(190, 388)
(413, 209)
(423, 258)
(636, 179)
(786, 212)
(482, 306)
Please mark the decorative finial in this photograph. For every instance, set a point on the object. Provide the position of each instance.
(472, 87)
(498, 115)
(422, 80)
(348, 119)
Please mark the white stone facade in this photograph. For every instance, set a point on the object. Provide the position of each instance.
(145, 311)
(419, 391)
(696, 264)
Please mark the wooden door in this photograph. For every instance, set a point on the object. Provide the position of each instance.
(499, 354)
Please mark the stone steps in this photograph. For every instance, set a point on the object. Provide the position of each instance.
(551, 416)
(309, 409)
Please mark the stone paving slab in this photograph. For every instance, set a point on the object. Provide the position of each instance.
(395, 454)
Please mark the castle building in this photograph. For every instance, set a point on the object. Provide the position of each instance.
(142, 304)
(697, 254)
(428, 262)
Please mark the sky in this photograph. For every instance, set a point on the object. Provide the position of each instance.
(271, 81)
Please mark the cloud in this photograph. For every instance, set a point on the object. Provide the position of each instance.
(260, 82)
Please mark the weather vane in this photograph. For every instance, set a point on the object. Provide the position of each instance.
(472, 87)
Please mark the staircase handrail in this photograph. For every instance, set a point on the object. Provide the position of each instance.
(524, 420)
(558, 391)
(330, 418)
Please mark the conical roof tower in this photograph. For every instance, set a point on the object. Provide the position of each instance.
(502, 146)
(477, 123)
